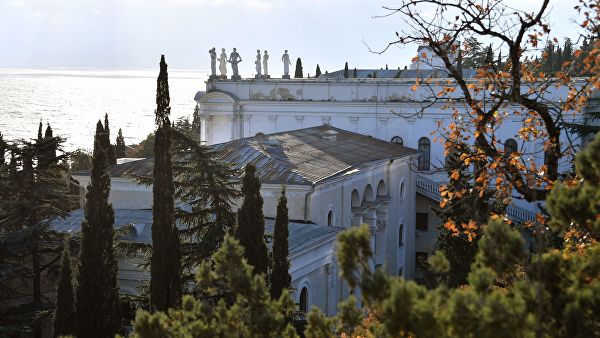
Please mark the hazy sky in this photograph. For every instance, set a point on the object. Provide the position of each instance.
(131, 34)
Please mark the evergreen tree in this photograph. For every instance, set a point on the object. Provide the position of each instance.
(3, 149)
(111, 148)
(354, 74)
(459, 61)
(346, 70)
(97, 300)
(280, 276)
(548, 57)
(567, 54)
(489, 56)
(204, 186)
(251, 223)
(558, 60)
(64, 313)
(196, 121)
(251, 312)
(120, 147)
(318, 71)
(298, 74)
(165, 269)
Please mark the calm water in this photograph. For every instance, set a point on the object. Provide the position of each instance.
(73, 101)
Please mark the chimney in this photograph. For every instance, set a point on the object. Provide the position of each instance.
(329, 136)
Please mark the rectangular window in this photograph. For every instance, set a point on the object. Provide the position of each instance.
(420, 261)
(422, 221)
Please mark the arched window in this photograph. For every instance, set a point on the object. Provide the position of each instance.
(355, 199)
(330, 218)
(402, 191)
(303, 303)
(397, 140)
(424, 153)
(510, 146)
(401, 235)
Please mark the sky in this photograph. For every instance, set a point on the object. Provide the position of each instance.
(131, 34)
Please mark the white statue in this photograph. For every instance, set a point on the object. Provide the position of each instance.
(223, 63)
(213, 62)
(234, 59)
(265, 64)
(257, 63)
(286, 65)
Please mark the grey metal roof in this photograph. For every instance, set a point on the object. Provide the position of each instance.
(301, 235)
(300, 157)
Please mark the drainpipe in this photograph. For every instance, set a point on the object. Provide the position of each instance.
(306, 204)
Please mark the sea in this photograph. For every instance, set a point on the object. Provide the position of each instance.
(73, 100)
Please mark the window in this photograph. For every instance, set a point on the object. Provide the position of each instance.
(510, 146)
(330, 218)
(304, 300)
(425, 153)
(397, 140)
(422, 221)
(402, 190)
(420, 261)
(401, 235)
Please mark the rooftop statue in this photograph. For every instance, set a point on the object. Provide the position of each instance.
(213, 62)
(234, 59)
(265, 65)
(223, 63)
(258, 64)
(286, 65)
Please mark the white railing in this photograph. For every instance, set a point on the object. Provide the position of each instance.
(431, 189)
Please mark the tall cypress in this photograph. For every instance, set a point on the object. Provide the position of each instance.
(111, 149)
(120, 146)
(318, 71)
(346, 70)
(280, 276)
(354, 74)
(97, 301)
(165, 270)
(3, 147)
(251, 223)
(299, 74)
(64, 313)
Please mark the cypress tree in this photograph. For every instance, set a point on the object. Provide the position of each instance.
(280, 276)
(120, 146)
(558, 60)
(64, 313)
(3, 147)
(165, 269)
(111, 149)
(318, 71)
(346, 70)
(97, 301)
(251, 223)
(299, 74)
(355, 74)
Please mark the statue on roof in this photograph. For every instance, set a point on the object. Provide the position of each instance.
(286, 65)
(265, 65)
(223, 63)
(234, 59)
(213, 62)
(257, 63)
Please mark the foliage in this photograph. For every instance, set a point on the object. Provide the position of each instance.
(318, 71)
(120, 146)
(280, 276)
(165, 268)
(111, 148)
(144, 149)
(251, 223)
(80, 160)
(346, 70)
(64, 313)
(205, 187)
(97, 300)
(33, 192)
(298, 74)
(251, 312)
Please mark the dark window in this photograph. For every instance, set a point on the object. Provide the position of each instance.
(397, 140)
(401, 235)
(421, 261)
(304, 300)
(422, 221)
(424, 153)
(330, 218)
(510, 146)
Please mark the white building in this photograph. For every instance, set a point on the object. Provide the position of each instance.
(333, 178)
(380, 103)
